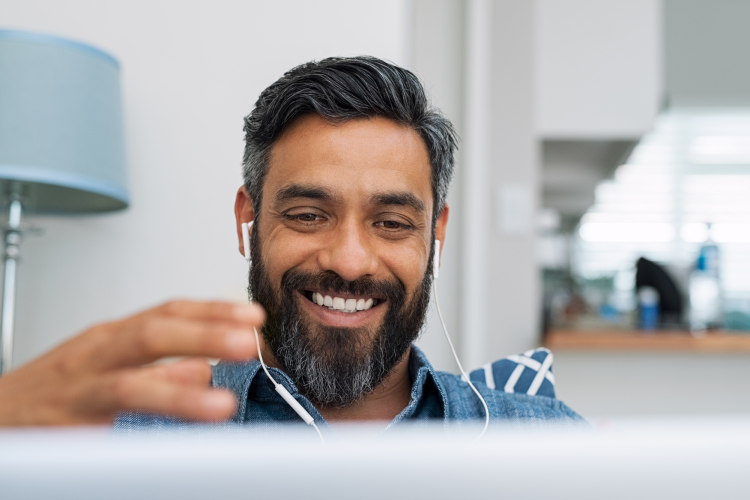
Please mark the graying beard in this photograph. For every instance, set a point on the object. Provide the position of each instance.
(322, 385)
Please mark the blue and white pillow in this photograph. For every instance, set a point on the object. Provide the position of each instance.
(528, 373)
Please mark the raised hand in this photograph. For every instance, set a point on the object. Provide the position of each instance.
(104, 370)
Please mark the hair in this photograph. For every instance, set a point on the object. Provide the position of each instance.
(339, 89)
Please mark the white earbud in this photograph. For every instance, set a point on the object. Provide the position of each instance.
(293, 404)
(435, 267)
(436, 260)
(246, 227)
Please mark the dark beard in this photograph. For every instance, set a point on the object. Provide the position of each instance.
(336, 366)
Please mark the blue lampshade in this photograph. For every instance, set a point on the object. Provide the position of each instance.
(61, 130)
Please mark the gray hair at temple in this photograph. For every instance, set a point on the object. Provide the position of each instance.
(339, 89)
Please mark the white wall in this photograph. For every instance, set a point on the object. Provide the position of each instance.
(438, 59)
(513, 281)
(705, 48)
(598, 67)
(476, 57)
(190, 71)
(626, 384)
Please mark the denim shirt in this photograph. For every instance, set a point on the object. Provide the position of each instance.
(517, 389)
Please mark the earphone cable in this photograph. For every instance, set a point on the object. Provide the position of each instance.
(280, 388)
(293, 403)
(461, 368)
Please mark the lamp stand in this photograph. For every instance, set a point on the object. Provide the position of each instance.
(12, 250)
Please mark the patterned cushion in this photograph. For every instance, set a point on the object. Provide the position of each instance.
(528, 373)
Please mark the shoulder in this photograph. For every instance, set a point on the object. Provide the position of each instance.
(519, 388)
(522, 408)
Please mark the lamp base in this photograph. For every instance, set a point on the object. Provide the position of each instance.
(12, 251)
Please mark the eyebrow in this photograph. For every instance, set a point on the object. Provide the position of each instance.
(294, 191)
(402, 198)
(399, 198)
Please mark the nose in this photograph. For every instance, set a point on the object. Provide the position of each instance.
(348, 253)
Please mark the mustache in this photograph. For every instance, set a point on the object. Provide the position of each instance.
(297, 279)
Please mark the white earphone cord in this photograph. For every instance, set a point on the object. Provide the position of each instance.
(280, 388)
(455, 356)
(288, 398)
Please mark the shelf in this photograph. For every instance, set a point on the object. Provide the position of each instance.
(662, 341)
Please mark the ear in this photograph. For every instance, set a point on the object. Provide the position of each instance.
(440, 225)
(243, 212)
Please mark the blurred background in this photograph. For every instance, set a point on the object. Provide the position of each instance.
(601, 205)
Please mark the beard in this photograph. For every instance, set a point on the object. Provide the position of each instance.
(336, 366)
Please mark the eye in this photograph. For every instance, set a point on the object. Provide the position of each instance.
(392, 225)
(305, 218)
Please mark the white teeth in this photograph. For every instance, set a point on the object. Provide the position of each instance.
(341, 304)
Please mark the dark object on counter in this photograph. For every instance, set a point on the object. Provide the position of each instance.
(649, 273)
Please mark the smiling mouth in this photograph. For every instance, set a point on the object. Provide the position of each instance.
(349, 305)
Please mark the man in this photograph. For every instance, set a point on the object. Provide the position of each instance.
(346, 173)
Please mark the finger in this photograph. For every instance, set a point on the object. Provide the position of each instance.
(193, 371)
(247, 313)
(158, 337)
(135, 340)
(139, 390)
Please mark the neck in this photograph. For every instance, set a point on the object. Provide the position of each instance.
(384, 403)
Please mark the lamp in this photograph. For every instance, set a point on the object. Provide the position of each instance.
(61, 141)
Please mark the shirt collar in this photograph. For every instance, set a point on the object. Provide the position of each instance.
(238, 377)
(422, 375)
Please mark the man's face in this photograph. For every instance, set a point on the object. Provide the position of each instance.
(345, 220)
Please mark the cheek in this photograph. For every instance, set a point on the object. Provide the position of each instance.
(282, 253)
(408, 265)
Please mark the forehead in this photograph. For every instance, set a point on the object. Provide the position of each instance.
(355, 159)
